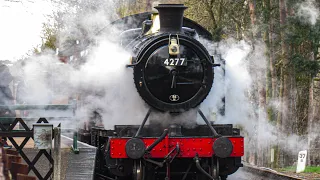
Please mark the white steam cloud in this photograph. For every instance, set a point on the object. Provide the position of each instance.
(246, 67)
(309, 12)
(103, 84)
(111, 85)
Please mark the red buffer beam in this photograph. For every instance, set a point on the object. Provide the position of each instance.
(189, 147)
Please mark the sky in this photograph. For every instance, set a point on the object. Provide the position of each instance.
(21, 25)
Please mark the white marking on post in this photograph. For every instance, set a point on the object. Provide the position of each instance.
(302, 160)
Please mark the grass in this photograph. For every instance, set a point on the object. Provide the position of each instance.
(309, 169)
(312, 169)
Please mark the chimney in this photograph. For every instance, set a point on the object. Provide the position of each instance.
(171, 17)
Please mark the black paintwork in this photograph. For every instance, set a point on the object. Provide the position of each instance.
(155, 130)
(154, 81)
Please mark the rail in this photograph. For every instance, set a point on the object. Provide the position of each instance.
(267, 172)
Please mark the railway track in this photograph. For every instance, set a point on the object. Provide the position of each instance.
(249, 172)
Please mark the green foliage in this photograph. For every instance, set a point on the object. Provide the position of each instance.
(299, 31)
(288, 169)
(217, 34)
(49, 38)
(304, 67)
(312, 169)
(223, 18)
(303, 39)
(309, 169)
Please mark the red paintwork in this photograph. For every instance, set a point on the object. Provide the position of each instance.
(189, 146)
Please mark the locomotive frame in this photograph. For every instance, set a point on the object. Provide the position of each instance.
(219, 147)
(145, 152)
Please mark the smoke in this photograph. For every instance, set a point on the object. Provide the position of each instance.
(186, 119)
(233, 85)
(110, 86)
(34, 74)
(103, 82)
(238, 80)
(213, 103)
(246, 66)
(308, 11)
(97, 75)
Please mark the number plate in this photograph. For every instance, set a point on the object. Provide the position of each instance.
(175, 62)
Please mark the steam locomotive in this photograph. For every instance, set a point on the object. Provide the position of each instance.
(173, 73)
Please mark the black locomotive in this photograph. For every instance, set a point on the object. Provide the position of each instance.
(173, 73)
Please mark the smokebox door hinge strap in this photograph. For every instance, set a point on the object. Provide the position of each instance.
(174, 45)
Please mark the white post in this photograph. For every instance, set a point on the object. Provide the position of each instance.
(57, 153)
(302, 160)
(272, 155)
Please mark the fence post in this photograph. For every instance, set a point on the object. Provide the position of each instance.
(57, 153)
(75, 143)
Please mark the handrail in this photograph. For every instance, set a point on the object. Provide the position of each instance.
(38, 107)
(16, 133)
(32, 118)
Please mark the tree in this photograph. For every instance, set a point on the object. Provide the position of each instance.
(223, 18)
(49, 38)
